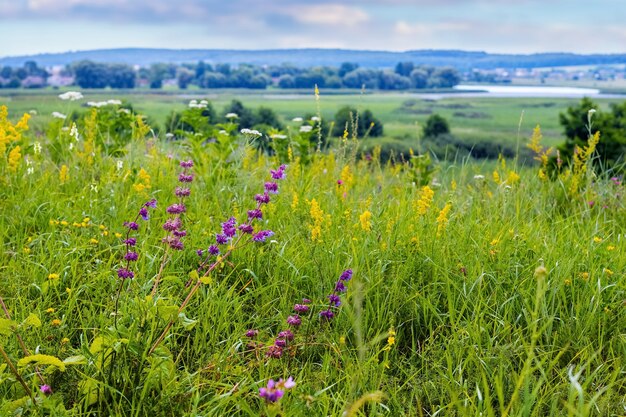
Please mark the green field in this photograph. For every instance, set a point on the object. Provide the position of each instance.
(471, 119)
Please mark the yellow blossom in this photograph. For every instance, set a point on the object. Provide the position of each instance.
(568, 282)
(13, 160)
(63, 174)
(597, 239)
(50, 310)
(93, 241)
(64, 223)
(56, 322)
(317, 217)
(65, 340)
(442, 219)
(608, 272)
(53, 276)
(118, 235)
(610, 248)
(423, 204)
(584, 276)
(366, 221)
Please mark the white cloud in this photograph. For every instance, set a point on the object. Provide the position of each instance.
(328, 14)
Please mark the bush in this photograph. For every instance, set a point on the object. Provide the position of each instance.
(367, 124)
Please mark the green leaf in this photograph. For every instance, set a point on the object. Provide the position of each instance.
(187, 323)
(42, 360)
(75, 360)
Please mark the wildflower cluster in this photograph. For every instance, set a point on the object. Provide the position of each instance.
(275, 390)
(130, 242)
(334, 299)
(173, 225)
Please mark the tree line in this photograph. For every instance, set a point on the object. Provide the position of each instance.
(88, 74)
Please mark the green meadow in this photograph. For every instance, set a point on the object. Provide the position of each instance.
(141, 276)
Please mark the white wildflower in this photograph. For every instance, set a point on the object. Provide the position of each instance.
(114, 102)
(37, 148)
(74, 131)
(71, 145)
(58, 115)
(316, 119)
(479, 177)
(30, 170)
(126, 111)
(278, 136)
(251, 132)
(94, 187)
(119, 165)
(71, 96)
(306, 128)
(169, 135)
(223, 132)
(231, 115)
(297, 119)
(33, 112)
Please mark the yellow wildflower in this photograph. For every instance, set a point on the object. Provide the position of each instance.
(366, 221)
(608, 272)
(584, 276)
(610, 248)
(64, 223)
(50, 310)
(93, 241)
(26, 250)
(568, 282)
(53, 277)
(63, 174)
(426, 199)
(442, 219)
(342, 340)
(317, 216)
(56, 322)
(118, 235)
(512, 178)
(65, 340)
(597, 239)
(14, 159)
(496, 177)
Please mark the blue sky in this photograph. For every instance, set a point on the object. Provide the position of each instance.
(507, 26)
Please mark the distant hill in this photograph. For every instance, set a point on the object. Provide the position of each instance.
(462, 60)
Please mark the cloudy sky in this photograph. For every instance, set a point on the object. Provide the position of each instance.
(508, 26)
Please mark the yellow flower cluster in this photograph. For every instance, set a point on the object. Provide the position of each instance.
(442, 219)
(64, 174)
(317, 217)
(10, 133)
(541, 154)
(366, 221)
(143, 181)
(426, 199)
(13, 161)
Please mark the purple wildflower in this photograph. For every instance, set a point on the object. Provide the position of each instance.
(131, 256)
(286, 334)
(221, 239)
(125, 273)
(182, 192)
(262, 198)
(143, 212)
(274, 352)
(278, 174)
(335, 300)
(271, 394)
(173, 242)
(45, 389)
(340, 286)
(180, 233)
(255, 214)
(327, 314)
(262, 235)
(281, 343)
(172, 224)
(294, 320)
(246, 228)
(252, 333)
(271, 187)
(131, 241)
(306, 301)
(214, 250)
(131, 225)
(200, 252)
(185, 178)
(346, 275)
(300, 308)
(152, 203)
(186, 164)
(176, 208)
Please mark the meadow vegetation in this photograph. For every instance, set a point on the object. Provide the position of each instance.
(246, 274)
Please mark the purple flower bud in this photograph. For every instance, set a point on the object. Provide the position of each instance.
(346, 275)
(176, 209)
(262, 198)
(182, 192)
(186, 164)
(255, 214)
(131, 225)
(294, 320)
(286, 334)
(125, 273)
(246, 228)
(306, 301)
(334, 300)
(229, 231)
(280, 343)
(221, 239)
(131, 256)
(45, 389)
(214, 250)
(278, 174)
(271, 187)
(131, 241)
(300, 308)
(200, 252)
(185, 178)
(274, 352)
(172, 224)
(340, 286)
(152, 203)
(143, 212)
(262, 235)
(173, 242)
(327, 314)
(252, 333)
(180, 233)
